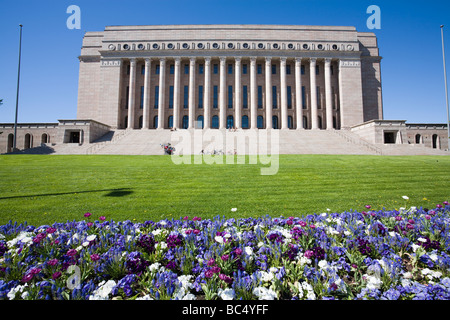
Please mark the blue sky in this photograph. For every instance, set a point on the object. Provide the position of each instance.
(409, 42)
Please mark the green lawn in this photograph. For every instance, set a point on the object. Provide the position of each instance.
(46, 189)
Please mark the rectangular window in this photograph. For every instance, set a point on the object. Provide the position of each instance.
(230, 69)
(318, 97)
(274, 69)
(260, 97)
(200, 69)
(230, 97)
(200, 97)
(172, 69)
(259, 68)
(216, 68)
(303, 97)
(244, 69)
(331, 70)
(157, 69)
(288, 69)
(156, 97)
(244, 97)
(127, 96)
(143, 69)
(302, 69)
(289, 97)
(215, 96)
(186, 97)
(317, 70)
(128, 69)
(186, 69)
(333, 99)
(141, 103)
(171, 97)
(274, 97)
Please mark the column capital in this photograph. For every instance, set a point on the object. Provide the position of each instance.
(268, 59)
(253, 60)
(192, 60)
(132, 60)
(148, 60)
(283, 59)
(207, 60)
(162, 60)
(237, 59)
(298, 60)
(177, 59)
(222, 59)
(312, 60)
(327, 61)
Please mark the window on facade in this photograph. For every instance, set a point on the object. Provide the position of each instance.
(244, 97)
(171, 97)
(215, 96)
(230, 69)
(302, 69)
(140, 122)
(230, 97)
(260, 122)
(305, 122)
(290, 122)
(303, 97)
(155, 122)
(274, 69)
(143, 69)
(244, 122)
(201, 69)
(156, 97)
(200, 97)
(157, 69)
(259, 68)
(289, 97)
(288, 69)
(215, 68)
(186, 97)
(319, 105)
(319, 121)
(260, 97)
(275, 122)
(230, 122)
(170, 120)
(274, 97)
(215, 122)
(127, 96)
(417, 138)
(185, 122)
(199, 124)
(317, 70)
(186, 69)
(171, 69)
(141, 102)
(244, 69)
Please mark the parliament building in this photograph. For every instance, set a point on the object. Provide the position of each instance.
(313, 83)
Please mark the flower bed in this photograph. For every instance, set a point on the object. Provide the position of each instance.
(352, 255)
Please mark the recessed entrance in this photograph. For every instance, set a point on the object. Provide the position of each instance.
(389, 136)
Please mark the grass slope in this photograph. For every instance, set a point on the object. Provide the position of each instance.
(47, 189)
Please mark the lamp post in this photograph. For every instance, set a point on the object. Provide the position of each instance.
(17, 96)
(446, 89)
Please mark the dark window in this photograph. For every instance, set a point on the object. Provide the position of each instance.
(200, 69)
(260, 95)
(186, 97)
(156, 96)
(288, 69)
(157, 69)
(244, 97)
(244, 69)
(244, 122)
(215, 122)
(215, 96)
(289, 97)
(230, 97)
(274, 69)
(171, 69)
(274, 97)
(200, 97)
(303, 97)
(186, 69)
(260, 122)
(230, 69)
(171, 97)
(259, 68)
(302, 69)
(215, 68)
(185, 122)
(141, 103)
(230, 122)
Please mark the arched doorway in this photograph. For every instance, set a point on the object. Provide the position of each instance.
(9, 148)
(230, 122)
(435, 139)
(28, 141)
(275, 122)
(45, 138)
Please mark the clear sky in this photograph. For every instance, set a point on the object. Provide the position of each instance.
(409, 40)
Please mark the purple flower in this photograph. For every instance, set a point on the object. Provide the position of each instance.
(95, 257)
(87, 215)
(102, 218)
(52, 262)
(56, 275)
(211, 262)
(225, 257)
(309, 254)
(72, 252)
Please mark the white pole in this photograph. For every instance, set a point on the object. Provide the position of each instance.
(17, 96)
(446, 89)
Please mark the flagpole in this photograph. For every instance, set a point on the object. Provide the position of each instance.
(17, 96)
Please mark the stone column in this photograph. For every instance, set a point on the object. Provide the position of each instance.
(237, 93)
(222, 94)
(176, 94)
(312, 76)
(191, 93)
(146, 114)
(298, 93)
(283, 90)
(131, 94)
(207, 94)
(161, 93)
(328, 97)
(253, 94)
(268, 74)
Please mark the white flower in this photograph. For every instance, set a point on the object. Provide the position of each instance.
(154, 267)
(156, 232)
(422, 240)
(264, 293)
(433, 256)
(407, 275)
(373, 282)
(146, 297)
(163, 223)
(12, 293)
(226, 294)
(218, 239)
(85, 244)
(260, 244)
(405, 197)
(91, 237)
(323, 264)
(233, 209)
(103, 291)
(266, 276)
(415, 247)
(248, 251)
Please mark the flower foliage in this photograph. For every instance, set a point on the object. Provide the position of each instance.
(392, 255)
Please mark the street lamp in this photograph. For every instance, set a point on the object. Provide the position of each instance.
(17, 96)
(446, 89)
